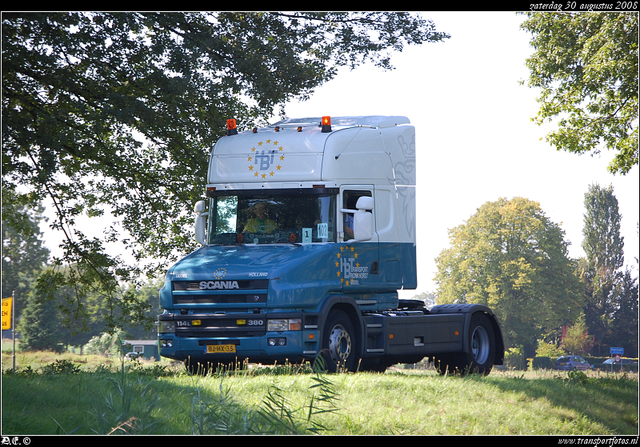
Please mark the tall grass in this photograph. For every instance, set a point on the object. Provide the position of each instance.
(64, 397)
(158, 399)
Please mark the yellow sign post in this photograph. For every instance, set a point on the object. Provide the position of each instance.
(9, 322)
(7, 304)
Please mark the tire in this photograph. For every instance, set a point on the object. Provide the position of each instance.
(339, 343)
(481, 347)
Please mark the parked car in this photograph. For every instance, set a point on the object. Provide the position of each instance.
(624, 364)
(571, 362)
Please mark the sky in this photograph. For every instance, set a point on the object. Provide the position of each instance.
(475, 140)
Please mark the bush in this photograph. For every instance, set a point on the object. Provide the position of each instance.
(105, 344)
(514, 358)
(543, 362)
(60, 367)
(549, 350)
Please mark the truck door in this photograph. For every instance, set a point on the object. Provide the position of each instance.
(356, 261)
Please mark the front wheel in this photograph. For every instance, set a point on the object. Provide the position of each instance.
(481, 348)
(339, 343)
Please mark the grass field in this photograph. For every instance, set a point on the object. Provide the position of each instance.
(70, 394)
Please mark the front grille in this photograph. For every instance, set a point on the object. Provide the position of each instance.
(219, 333)
(220, 326)
(248, 284)
(251, 298)
(221, 292)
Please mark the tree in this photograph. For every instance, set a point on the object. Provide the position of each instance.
(107, 343)
(546, 349)
(39, 325)
(147, 294)
(600, 270)
(115, 113)
(577, 339)
(624, 327)
(586, 65)
(512, 258)
(602, 243)
(23, 252)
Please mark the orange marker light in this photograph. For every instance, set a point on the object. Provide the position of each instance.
(326, 124)
(231, 127)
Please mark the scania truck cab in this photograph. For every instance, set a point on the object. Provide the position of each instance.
(308, 232)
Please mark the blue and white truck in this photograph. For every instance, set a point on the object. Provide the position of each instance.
(308, 232)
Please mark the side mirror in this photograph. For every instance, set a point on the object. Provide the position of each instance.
(200, 224)
(363, 219)
(365, 203)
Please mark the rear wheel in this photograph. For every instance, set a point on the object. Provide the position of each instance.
(338, 345)
(481, 347)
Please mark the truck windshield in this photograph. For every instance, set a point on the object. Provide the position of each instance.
(280, 217)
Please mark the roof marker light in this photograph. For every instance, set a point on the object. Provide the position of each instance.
(231, 127)
(326, 124)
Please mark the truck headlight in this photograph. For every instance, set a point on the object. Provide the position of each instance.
(166, 327)
(284, 324)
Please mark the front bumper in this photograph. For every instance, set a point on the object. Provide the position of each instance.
(238, 337)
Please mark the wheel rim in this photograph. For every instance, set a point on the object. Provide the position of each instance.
(339, 344)
(480, 345)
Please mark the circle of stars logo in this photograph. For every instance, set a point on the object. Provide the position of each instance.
(346, 257)
(220, 273)
(265, 159)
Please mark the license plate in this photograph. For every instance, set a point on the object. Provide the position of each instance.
(214, 349)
